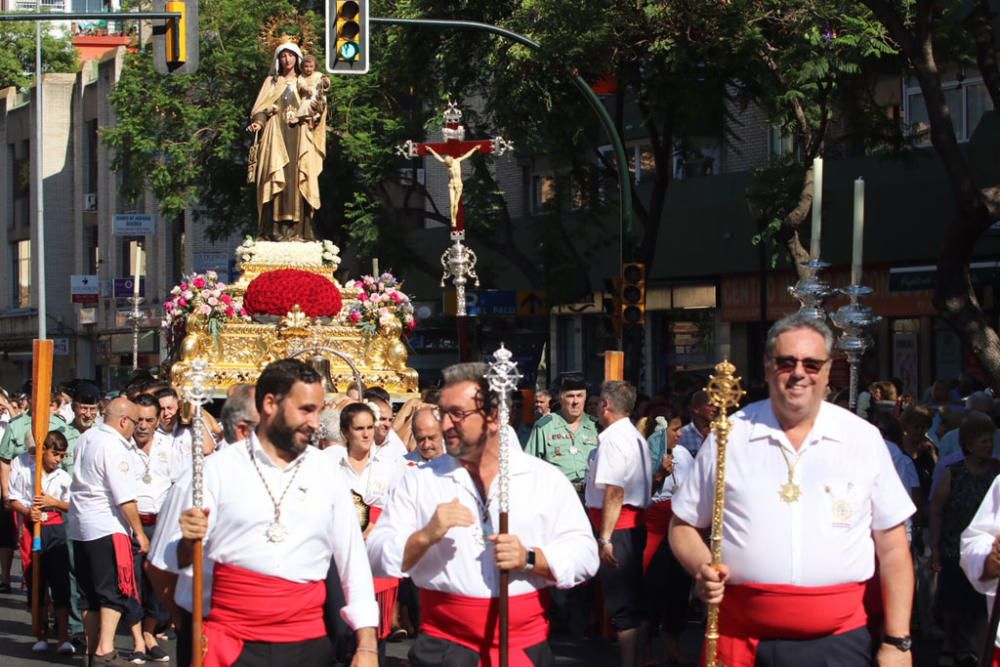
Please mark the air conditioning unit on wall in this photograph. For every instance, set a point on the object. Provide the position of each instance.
(90, 201)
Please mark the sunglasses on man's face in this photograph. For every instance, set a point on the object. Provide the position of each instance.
(787, 364)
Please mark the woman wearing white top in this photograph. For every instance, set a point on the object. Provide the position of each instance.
(370, 474)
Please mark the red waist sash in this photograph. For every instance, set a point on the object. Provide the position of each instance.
(657, 522)
(148, 519)
(752, 612)
(248, 606)
(26, 534)
(386, 589)
(125, 564)
(630, 517)
(996, 658)
(474, 623)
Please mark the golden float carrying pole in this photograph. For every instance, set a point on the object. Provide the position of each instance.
(724, 392)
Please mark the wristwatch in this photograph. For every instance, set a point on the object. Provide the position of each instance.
(530, 565)
(603, 541)
(904, 643)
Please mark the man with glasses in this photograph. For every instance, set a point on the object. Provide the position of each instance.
(811, 499)
(440, 525)
(566, 438)
(104, 518)
(85, 399)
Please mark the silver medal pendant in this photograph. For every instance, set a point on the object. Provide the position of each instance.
(276, 532)
(147, 479)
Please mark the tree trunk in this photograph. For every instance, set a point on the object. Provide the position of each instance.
(954, 297)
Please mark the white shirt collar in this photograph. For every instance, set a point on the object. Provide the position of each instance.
(766, 426)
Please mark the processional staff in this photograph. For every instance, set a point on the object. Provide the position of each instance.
(41, 390)
(503, 378)
(196, 394)
(724, 392)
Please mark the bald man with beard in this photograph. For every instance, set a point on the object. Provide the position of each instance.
(104, 518)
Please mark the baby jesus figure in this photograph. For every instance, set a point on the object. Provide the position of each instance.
(312, 87)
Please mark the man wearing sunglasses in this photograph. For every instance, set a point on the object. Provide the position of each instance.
(440, 527)
(104, 518)
(811, 499)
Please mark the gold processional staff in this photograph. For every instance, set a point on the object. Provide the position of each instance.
(724, 392)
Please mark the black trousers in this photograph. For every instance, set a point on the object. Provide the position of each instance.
(851, 649)
(667, 588)
(430, 651)
(624, 598)
(310, 653)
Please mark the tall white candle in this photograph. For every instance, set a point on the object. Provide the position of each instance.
(859, 230)
(375, 267)
(817, 207)
(138, 270)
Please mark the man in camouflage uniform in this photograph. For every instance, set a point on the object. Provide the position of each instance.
(566, 438)
(85, 399)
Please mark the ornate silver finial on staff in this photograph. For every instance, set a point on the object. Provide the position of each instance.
(459, 262)
(503, 378)
(855, 320)
(812, 291)
(197, 394)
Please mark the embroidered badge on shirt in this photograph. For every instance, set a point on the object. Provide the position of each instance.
(123, 466)
(841, 508)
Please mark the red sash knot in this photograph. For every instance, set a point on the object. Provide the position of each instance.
(752, 612)
(474, 623)
(248, 606)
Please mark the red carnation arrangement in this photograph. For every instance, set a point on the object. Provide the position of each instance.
(277, 292)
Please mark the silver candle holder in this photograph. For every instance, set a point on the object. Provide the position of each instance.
(855, 320)
(459, 262)
(812, 291)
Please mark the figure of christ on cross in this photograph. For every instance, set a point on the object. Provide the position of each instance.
(451, 153)
(454, 165)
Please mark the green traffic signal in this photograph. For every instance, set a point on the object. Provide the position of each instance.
(349, 51)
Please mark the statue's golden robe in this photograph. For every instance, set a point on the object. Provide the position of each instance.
(289, 162)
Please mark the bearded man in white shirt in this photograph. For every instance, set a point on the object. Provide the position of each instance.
(811, 499)
(274, 521)
(439, 527)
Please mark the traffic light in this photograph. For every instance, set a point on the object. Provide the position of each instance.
(175, 41)
(632, 292)
(347, 36)
(613, 307)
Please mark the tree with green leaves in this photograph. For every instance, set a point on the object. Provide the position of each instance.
(931, 35)
(17, 53)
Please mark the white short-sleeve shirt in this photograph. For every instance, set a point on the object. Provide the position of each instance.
(103, 479)
(977, 543)
(621, 459)
(316, 511)
(545, 513)
(376, 479)
(22, 482)
(849, 488)
(156, 472)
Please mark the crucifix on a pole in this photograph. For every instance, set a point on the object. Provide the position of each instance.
(459, 261)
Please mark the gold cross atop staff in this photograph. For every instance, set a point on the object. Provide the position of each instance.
(725, 393)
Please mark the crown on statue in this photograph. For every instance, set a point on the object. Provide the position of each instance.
(288, 27)
(453, 123)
